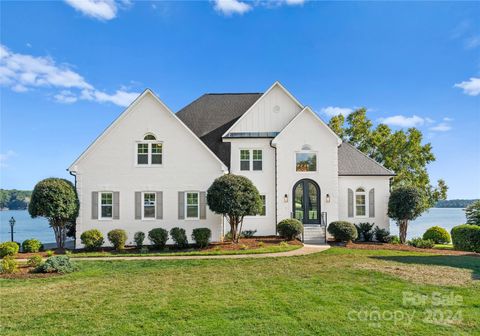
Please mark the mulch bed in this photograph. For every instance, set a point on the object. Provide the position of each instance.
(25, 272)
(400, 247)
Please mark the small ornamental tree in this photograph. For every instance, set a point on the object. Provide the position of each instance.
(472, 212)
(55, 199)
(405, 204)
(234, 197)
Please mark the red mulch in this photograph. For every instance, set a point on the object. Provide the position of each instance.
(400, 247)
(25, 272)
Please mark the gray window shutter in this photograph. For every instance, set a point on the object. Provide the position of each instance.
(203, 205)
(371, 203)
(116, 205)
(350, 202)
(94, 205)
(159, 205)
(138, 205)
(181, 205)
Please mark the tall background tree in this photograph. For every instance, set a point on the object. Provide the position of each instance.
(400, 151)
(472, 212)
(55, 199)
(235, 197)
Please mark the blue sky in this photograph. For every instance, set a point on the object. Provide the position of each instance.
(67, 69)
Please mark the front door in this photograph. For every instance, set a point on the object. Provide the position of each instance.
(306, 201)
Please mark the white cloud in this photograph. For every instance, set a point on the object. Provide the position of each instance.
(470, 87)
(472, 42)
(294, 2)
(441, 127)
(229, 7)
(403, 121)
(429, 120)
(21, 72)
(333, 110)
(447, 119)
(4, 157)
(98, 9)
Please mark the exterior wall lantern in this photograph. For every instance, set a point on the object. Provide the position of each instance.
(327, 198)
(285, 198)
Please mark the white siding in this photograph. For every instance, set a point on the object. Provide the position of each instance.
(271, 113)
(110, 166)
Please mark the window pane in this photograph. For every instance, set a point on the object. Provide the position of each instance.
(192, 211)
(360, 205)
(149, 205)
(142, 159)
(257, 165)
(244, 154)
(306, 162)
(149, 212)
(312, 202)
(149, 137)
(360, 210)
(257, 154)
(360, 199)
(244, 165)
(106, 211)
(192, 198)
(156, 148)
(156, 158)
(142, 148)
(299, 202)
(107, 198)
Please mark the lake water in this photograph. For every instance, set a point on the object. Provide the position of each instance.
(27, 227)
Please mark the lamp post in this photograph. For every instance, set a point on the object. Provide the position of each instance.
(12, 224)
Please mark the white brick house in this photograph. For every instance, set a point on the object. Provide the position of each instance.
(151, 168)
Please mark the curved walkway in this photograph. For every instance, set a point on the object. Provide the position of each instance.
(306, 249)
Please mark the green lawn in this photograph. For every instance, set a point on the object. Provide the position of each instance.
(136, 253)
(323, 293)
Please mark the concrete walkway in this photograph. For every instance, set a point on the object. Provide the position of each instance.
(305, 250)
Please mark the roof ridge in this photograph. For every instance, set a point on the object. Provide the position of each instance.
(368, 157)
(232, 93)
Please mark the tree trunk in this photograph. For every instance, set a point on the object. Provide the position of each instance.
(240, 230)
(59, 231)
(403, 230)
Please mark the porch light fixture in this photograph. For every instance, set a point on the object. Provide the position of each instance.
(327, 198)
(285, 198)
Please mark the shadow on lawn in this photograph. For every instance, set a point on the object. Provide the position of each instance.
(467, 262)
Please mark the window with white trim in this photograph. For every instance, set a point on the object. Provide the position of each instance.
(149, 151)
(251, 159)
(263, 212)
(149, 205)
(360, 203)
(305, 161)
(106, 205)
(192, 205)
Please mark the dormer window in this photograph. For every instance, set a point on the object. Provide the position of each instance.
(149, 151)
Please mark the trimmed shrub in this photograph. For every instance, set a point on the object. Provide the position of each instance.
(289, 228)
(117, 237)
(466, 237)
(8, 249)
(9, 264)
(179, 237)
(364, 231)
(201, 236)
(248, 233)
(31, 245)
(92, 239)
(144, 250)
(138, 238)
(381, 235)
(57, 264)
(438, 234)
(158, 237)
(421, 243)
(393, 239)
(34, 261)
(343, 231)
(49, 253)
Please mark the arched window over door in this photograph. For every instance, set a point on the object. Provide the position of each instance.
(306, 201)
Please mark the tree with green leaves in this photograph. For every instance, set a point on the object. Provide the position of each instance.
(234, 197)
(404, 204)
(472, 212)
(55, 199)
(400, 151)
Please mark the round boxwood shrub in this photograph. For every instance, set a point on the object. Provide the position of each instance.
(8, 249)
(179, 237)
(34, 261)
(421, 243)
(138, 238)
(92, 239)
(57, 264)
(466, 237)
(158, 237)
(343, 231)
(438, 234)
(31, 245)
(201, 236)
(117, 237)
(289, 228)
(8, 265)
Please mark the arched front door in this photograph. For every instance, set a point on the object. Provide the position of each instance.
(306, 201)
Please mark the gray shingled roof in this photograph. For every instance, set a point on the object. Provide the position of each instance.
(352, 162)
(213, 114)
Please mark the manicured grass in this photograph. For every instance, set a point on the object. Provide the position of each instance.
(266, 249)
(316, 294)
(444, 246)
